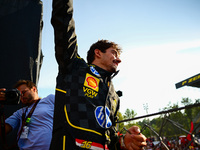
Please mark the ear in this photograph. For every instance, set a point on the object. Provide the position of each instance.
(34, 89)
(97, 53)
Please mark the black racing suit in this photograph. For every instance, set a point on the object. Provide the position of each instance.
(86, 103)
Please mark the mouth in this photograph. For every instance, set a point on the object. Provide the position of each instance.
(115, 63)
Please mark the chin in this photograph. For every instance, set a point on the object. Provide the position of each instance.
(113, 70)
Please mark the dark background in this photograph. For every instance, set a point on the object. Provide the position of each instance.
(20, 51)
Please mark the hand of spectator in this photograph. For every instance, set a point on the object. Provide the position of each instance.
(2, 94)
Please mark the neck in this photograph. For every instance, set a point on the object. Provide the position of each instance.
(32, 102)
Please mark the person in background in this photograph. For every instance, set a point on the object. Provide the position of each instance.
(34, 122)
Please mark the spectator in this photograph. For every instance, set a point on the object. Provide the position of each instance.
(34, 122)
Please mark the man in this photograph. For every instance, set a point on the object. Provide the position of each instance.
(34, 122)
(86, 103)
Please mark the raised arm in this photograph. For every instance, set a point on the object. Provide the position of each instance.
(64, 32)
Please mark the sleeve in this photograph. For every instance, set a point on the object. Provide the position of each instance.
(14, 120)
(64, 32)
(51, 98)
(117, 138)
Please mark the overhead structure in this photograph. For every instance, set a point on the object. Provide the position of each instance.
(20, 40)
(193, 81)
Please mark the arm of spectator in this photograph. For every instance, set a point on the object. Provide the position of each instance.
(8, 127)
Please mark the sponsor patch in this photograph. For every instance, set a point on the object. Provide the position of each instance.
(89, 92)
(91, 82)
(94, 71)
(102, 117)
(90, 145)
(114, 106)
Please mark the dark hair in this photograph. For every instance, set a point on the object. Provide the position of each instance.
(28, 83)
(102, 45)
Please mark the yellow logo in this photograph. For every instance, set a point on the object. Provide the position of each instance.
(92, 82)
(191, 80)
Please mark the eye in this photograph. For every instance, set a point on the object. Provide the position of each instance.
(114, 53)
(23, 92)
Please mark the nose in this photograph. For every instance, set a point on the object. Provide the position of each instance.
(118, 60)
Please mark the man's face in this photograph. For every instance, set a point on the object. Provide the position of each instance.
(27, 95)
(110, 60)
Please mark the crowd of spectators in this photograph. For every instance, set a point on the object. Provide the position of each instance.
(180, 143)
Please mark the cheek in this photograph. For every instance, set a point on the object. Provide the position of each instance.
(105, 60)
(110, 58)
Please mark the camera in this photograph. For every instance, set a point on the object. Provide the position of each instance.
(12, 97)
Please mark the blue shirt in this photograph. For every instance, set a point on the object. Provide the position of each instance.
(40, 125)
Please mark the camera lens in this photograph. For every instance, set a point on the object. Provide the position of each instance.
(12, 97)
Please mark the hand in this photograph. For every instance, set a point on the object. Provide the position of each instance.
(2, 94)
(134, 140)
